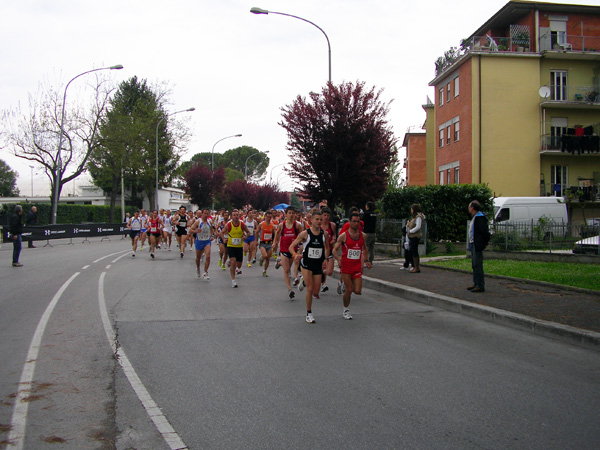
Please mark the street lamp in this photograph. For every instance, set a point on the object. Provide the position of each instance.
(256, 10)
(157, 125)
(60, 139)
(31, 167)
(271, 173)
(212, 165)
(246, 164)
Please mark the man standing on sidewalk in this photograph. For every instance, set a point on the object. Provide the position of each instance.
(16, 229)
(479, 236)
(31, 221)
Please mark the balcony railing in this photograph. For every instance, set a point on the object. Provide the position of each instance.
(497, 44)
(570, 42)
(577, 94)
(580, 141)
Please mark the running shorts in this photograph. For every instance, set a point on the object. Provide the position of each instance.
(236, 252)
(200, 245)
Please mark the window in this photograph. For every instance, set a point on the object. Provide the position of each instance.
(558, 127)
(456, 83)
(441, 96)
(448, 135)
(558, 81)
(448, 176)
(559, 176)
(441, 177)
(456, 175)
(456, 131)
(441, 138)
(503, 215)
(558, 32)
(448, 92)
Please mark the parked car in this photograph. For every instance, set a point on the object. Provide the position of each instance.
(589, 245)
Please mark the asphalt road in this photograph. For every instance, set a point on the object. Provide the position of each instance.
(240, 369)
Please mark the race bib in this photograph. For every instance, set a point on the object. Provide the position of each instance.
(236, 241)
(315, 253)
(153, 230)
(268, 236)
(354, 254)
(182, 224)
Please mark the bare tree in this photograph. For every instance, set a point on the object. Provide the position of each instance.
(34, 135)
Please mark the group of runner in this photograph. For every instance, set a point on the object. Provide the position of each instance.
(307, 245)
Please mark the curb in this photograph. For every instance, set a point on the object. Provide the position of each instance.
(559, 332)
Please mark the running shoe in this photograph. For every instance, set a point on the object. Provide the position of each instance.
(296, 281)
(181, 255)
(347, 315)
(152, 255)
(301, 286)
(205, 276)
(324, 288)
(133, 255)
(339, 287)
(249, 265)
(291, 294)
(261, 261)
(265, 273)
(316, 296)
(278, 263)
(238, 271)
(254, 261)
(223, 267)
(310, 318)
(198, 272)
(142, 247)
(233, 284)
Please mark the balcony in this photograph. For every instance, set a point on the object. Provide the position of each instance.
(567, 96)
(571, 141)
(569, 43)
(487, 43)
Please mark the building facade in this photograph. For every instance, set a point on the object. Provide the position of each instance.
(518, 107)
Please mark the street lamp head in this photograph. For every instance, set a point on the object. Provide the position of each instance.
(238, 135)
(117, 67)
(256, 10)
(191, 109)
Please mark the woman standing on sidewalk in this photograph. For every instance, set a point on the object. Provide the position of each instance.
(414, 230)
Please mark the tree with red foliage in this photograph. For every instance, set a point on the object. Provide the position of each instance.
(340, 144)
(202, 182)
(241, 194)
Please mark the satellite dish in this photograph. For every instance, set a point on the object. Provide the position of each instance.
(544, 92)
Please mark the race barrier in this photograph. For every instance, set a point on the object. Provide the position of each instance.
(68, 231)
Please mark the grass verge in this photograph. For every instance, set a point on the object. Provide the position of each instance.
(572, 274)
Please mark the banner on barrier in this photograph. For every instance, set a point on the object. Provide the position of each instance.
(67, 231)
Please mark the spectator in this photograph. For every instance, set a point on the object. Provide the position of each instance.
(370, 221)
(31, 221)
(415, 233)
(479, 236)
(16, 229)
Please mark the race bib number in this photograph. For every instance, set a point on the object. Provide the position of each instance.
(153, 230)
(182, 224)
(268, 236)
(236, 241)
(315, 253)
(354, 254)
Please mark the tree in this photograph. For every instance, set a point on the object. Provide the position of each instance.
(35, 136)
(340, 144)
(201, 182)
(8, 181)
(239, 159)
(128, 141)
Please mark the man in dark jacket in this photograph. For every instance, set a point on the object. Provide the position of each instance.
(16, 229)
(31, 221)
(479, 236)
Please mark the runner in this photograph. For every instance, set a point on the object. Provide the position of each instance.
(265, 232)
(204, 231)
(237, 232)
(329, 227)
(167, 229)
(354, 250)
(222, 242)
(135, 225)
(155, 227)
(250, 241)
(312, 259)
(144, 220)
(180, 220)
(286, 233)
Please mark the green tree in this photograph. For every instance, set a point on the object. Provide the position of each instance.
(8, 181)
(239, 158)
(128, 142)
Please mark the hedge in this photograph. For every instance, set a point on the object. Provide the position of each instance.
(445, 207)
(72, 214)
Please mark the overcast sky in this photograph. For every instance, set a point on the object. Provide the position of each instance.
(236, 68)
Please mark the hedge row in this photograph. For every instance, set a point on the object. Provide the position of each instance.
(445, 207)
(72, 214)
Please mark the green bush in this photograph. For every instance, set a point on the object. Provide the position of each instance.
(445, 207)
(508, 241)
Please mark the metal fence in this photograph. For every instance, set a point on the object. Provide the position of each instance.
(544, 236)
(389, 231)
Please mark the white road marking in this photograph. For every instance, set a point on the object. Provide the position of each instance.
(108, 267)
(160, 421)
(85, 267)
(19, 416)
(108, 256)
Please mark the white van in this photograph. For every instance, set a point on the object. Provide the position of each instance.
(527, 209)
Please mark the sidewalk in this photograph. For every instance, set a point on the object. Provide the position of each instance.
(551, 310)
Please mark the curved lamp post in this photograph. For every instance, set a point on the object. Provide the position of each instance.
(256, 10)
(212, 164)
(246, 164)
(271, 173)
(157, 125)
(62, 132)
